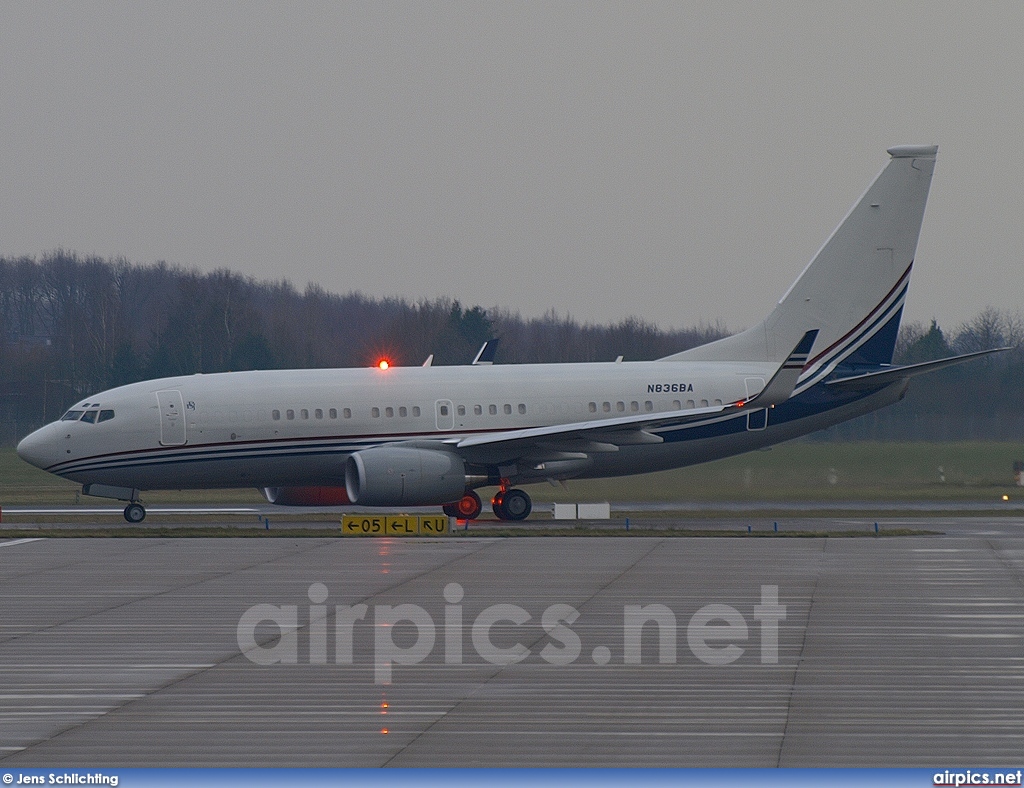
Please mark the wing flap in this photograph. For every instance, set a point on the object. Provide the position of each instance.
(602, 430)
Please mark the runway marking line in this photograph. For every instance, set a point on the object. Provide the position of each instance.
(21, 541)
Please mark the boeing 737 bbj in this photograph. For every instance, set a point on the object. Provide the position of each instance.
(408, 436)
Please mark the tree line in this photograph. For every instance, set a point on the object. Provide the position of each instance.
(72, 325)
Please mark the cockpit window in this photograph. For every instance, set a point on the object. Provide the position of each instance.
(90, 416)
(72, 415)
(106, 415)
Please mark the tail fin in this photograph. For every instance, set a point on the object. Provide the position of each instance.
(854, 288)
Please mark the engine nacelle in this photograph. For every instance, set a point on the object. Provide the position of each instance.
(404, 476)
(306, 496)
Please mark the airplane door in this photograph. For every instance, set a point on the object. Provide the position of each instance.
(757, 419)
(444, 414)
(172, 418)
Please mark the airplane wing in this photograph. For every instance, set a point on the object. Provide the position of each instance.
(870, 380)
(603, 435)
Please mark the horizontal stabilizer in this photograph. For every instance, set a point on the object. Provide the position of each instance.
(870, 380)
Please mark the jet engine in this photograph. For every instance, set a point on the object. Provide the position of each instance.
(404, 476)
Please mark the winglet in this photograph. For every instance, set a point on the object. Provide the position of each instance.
(780, 387)
(487, 353)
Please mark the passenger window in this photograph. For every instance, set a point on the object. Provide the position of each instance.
(690, 403)
(403, 411)
(289, 414)
(703, 403)
(492, 409)
(648, 406)
(592, 407)
(318, 413)
(508, 409)
(461, 410)
(347, 413)
(333, 413)
(305, 413)
(90, 416)
(606, 407)
(415, 410)
(634, 406)
(276, 415)
(375, 413)
(389, 412)
(477, 410)
(444, 410)
(620, 406)
(718, 402)
(106, 415)
(522, 408)
(677, 405)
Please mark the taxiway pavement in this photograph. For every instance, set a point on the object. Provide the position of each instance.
(902, 651)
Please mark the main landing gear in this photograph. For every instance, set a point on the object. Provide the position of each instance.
(507, 504)
(511, 504)
(135, 513)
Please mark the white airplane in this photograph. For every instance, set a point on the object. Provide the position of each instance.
(408, 436)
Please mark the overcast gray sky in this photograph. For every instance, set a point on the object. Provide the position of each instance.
(680, 161)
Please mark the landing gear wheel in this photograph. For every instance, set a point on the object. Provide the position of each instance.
(468, 507)
(512, 505)
(134, 513)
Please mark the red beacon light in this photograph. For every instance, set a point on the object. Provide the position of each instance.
(383, 364)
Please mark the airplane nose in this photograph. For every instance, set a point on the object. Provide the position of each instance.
(35, 449)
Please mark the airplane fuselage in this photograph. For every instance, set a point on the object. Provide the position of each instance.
(297, 427)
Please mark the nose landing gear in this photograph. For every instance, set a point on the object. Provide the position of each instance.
(135, 513)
